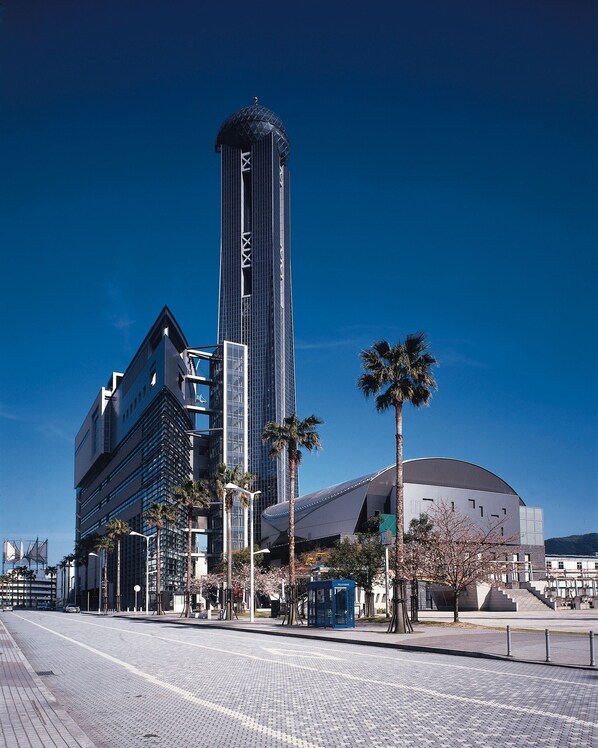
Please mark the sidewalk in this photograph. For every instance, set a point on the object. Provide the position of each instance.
(31, 717)
(479, 634)
(29, 714)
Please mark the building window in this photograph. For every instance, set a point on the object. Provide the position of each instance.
(481, 511)
(579, 565)
(153, 377)
(549, 564)
(561, 564)
(471, 503)
(246, 282)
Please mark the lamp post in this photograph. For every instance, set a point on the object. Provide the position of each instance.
(251, 584)
(147, 539)
(251, 495)
(91, 553)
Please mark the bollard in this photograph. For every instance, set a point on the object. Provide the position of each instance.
(509, 653)
(592, 653)
(547, 634)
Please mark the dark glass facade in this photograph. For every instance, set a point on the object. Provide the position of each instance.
(137, 451)
(255, 306)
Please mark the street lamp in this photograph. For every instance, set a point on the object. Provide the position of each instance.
(91, 553)
(252, 495)
(252, 606)
(147, 540)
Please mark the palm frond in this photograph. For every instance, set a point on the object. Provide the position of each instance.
(399, 373)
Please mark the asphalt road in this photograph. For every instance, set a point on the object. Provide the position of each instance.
(134, 683)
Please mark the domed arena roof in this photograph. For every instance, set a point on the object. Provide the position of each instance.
(445, 471)
(250, 125)
(431, 471)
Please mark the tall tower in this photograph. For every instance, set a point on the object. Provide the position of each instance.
(255, 278)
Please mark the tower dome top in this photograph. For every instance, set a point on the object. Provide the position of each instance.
(250, 125)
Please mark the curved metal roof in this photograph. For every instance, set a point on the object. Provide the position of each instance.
(250, 125)
(324, 495)
(446, 471)
(431, 471)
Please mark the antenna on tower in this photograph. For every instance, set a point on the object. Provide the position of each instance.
(255, 100)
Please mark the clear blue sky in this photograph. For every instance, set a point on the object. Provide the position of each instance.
(443, 165)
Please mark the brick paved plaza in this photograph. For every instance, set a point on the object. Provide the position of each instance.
(128, 682)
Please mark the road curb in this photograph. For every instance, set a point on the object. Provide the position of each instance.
(298, 634)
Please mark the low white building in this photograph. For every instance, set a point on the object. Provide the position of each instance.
(571, 577)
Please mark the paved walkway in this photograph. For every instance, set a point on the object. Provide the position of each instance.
(29, 714)
(480, 634)
(31, 718)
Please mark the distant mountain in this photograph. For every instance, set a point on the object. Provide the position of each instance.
(573, 545)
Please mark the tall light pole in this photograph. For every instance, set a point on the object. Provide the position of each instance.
(91, 553)
(252, 495)
(147, 539)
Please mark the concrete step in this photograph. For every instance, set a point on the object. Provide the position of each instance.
(526, 600)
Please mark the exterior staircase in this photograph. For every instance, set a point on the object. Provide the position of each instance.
(516, 601)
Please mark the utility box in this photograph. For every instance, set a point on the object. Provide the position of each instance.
(331, 603)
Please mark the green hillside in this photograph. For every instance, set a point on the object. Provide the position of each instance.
(573, 545)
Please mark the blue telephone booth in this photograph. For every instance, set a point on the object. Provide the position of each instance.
(331, 603)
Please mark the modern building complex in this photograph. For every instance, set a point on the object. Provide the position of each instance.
(179, 411)
(26, 578)
(143, 436)
(323, 517)
(255, 305)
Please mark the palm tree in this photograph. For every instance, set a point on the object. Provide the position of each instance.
(104, 545)
(396, 375)
(13, 576)
(52, 571)
(62, 566)
(116, 529)
(83, 547)
(220, 479)
(159, 515)
(292, 435)
(30, 576)
(19, 574)
(67, 563)
(192, 495)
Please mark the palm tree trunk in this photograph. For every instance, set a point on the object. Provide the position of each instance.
(105, 585)
(187, 611)
(228, 610)
(158, 575)
(117, 606)
(399, 622)
(292, 617)
(87, 581)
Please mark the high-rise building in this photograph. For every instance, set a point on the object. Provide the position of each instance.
(255, 278)
(134, 447)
